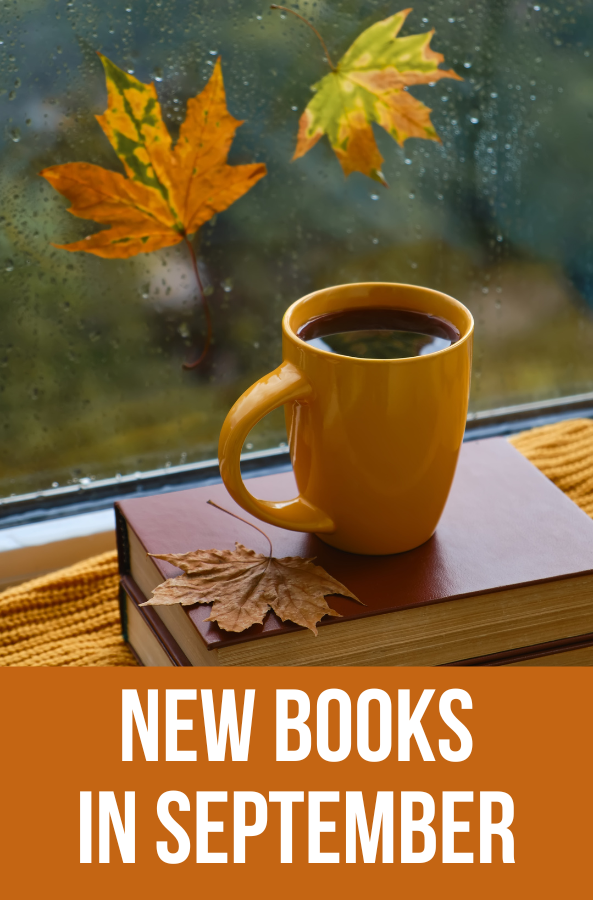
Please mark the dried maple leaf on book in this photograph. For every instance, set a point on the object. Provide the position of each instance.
(242, 585)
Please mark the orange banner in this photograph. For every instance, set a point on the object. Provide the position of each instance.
(296, 782)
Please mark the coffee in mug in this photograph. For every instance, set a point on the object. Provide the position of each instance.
(379, 333)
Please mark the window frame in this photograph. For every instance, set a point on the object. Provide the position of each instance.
(75, 499)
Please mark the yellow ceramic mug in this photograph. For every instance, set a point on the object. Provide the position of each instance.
(373, 442)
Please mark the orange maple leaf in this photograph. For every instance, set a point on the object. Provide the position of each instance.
(167, 192)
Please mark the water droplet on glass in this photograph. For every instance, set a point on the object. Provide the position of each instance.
(499, 238)
(474, 120)
(294, 108)
(212, 52)
(55, 484)
(249, 446)
(408, 162)
(12, 95)
(374, 196)
(536, 8)
(9, 265)
(451, 20)
(227, 285)
(375, 240)
(411, 196)
(467, 65)
(494, 95)
(424, 20)
(15, 135)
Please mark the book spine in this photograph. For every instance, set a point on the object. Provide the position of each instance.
(123, 612)
(123, 544)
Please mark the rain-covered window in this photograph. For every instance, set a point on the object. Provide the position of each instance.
(498, 214)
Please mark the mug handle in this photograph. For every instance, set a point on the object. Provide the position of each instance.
(284, 384)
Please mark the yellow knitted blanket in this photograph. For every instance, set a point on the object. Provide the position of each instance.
(67, 618)
(71, 617)
(563, 452)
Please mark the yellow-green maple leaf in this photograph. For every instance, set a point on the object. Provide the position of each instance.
(167, 191)
(369, 84)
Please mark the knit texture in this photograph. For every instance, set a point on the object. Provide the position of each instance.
(67, 618)
(71, 617)
(563, 452)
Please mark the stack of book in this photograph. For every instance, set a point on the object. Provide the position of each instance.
(507, 579)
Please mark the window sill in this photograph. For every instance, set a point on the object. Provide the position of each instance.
(29, 551)
(52, 529)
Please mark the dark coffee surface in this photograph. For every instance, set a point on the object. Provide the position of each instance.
(379, 333)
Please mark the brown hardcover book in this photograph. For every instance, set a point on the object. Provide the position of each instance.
(510, 567)
(152, 644)
(144, 631)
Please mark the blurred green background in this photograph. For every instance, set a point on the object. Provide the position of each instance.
(499, 215)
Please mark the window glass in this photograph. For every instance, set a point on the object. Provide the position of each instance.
(498, 214)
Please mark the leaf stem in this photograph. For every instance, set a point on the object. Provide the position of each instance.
(312, 27)
(235, 516)
(205, 306)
